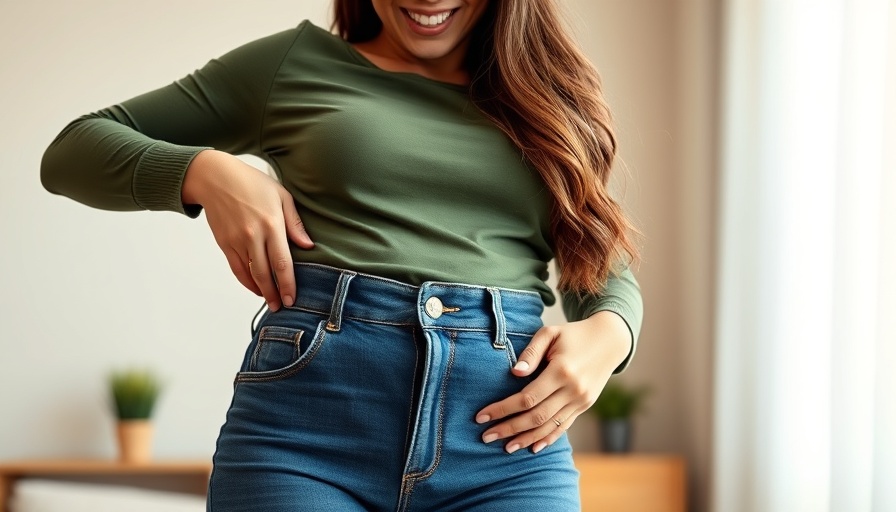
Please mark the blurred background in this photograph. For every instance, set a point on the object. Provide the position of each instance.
(758, 150)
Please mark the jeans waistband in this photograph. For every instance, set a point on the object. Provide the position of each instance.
(342, 293)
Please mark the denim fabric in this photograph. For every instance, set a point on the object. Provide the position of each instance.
(362, 396)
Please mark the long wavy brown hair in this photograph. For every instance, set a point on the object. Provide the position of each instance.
(536, 85)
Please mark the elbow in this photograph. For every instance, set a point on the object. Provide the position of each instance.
(53, 162)
(49, 170)
(62, 159)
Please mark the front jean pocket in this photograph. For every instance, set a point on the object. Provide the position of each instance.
(277, 348)
(280, 350)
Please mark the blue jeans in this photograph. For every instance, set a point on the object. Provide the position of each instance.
(362, 396)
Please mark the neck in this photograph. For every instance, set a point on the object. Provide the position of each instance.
(390, 56)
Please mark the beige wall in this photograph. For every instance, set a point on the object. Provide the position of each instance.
(69, 315)
(657, 61)
(81, 290)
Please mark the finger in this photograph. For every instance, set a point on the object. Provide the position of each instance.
(241, 270)
(536, 417)
(534, 352)
(555, 434)
(542, 387)
(260, 268)
(556, 422)
(295, 228)
(281, 262)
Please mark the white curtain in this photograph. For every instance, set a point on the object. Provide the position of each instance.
(805, 395)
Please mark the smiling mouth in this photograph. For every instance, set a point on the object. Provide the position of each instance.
(429, 21)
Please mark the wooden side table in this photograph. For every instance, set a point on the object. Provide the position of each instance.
(197, 471)
(632, 483)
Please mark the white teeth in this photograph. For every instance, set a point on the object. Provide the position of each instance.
(430, 21)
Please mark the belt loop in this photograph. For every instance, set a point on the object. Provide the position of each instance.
(335, 320)
(501, 331)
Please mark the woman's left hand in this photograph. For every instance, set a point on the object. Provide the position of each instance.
(580, 356)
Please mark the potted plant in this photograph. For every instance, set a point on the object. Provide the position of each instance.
(614, 409)
(134, 394)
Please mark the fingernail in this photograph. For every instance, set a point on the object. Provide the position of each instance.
(482, 418)
(521, 365)
(287, 301)
(512, 448)
(272, 306)
(489, 437)
(539, 446)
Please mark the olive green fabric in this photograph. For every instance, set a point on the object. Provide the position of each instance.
(393, 173)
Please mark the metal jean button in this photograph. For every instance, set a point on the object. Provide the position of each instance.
(433, 307)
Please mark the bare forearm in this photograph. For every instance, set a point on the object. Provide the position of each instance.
(616, 334)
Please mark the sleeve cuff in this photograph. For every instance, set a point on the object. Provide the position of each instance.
(159, 177)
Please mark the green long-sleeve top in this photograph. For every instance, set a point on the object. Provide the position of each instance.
(393, 174)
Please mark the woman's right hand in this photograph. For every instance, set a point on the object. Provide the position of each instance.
(250, 215)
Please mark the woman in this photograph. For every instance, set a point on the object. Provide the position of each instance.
(439, 153)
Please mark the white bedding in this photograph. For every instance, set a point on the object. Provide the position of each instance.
(35, 495)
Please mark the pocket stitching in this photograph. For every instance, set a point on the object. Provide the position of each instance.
(264, 336)
(511, 354)
(292, 368)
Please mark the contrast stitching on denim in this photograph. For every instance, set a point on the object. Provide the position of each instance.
(408, 492)
(264, 336)
(511, 355)
(465, 328)
(290, 334)
(293, 368)
(462, 327)
(407, 489)
(350, 317)
(335, 320)
(452, 336)
(253, 360)
(500, 322)
(472, 329)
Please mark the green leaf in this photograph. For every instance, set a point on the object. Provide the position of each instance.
(134, 393)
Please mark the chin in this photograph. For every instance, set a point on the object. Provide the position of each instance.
(430, 50)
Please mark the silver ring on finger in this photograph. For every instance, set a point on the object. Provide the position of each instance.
(557, 422)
